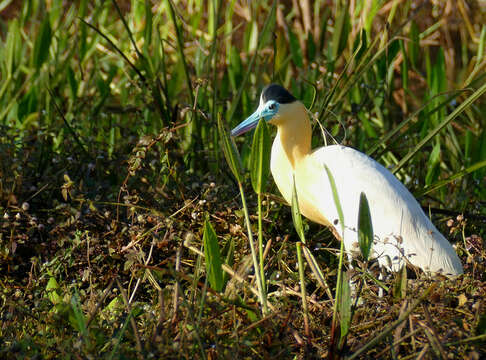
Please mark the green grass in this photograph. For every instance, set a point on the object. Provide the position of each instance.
(110, 157)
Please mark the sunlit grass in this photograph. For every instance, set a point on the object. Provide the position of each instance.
(110, 159)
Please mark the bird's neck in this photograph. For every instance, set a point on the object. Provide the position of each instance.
(294, 134)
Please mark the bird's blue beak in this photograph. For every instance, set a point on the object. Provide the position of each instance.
(246, 125)
(266, 111)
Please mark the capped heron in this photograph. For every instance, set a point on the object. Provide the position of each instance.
(402, 231)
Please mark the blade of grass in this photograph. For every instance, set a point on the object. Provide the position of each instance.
(265, 31)
(260, 171)
(338, 296)
(462, 107)
(365, 227)
(297, 219)
(234, 161)
(212, 257)
(344, 309)
(441, 183)
(378, 338)
(302, 288)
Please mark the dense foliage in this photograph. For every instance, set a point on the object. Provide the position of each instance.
(111, 161)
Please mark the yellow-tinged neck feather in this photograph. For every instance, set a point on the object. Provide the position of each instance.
(293, 131)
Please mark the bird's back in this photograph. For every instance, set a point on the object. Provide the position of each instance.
(400, 226)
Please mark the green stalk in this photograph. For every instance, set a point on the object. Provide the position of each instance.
(338, 285)
(263, 298)
(260, 246)
(302, 287)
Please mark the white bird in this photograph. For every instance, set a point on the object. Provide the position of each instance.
(402, 231)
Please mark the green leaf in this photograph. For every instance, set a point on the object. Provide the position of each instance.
(317, 271)
(481, 327)
(341, 31)
(52, 294)
(73, 84)
(413, 45)
(404, 66)
(344, 307)
(79, 320)
(213, 257)
(336, 198)
(471, 169)
(230, 152)
(4, 4)
(360, 45)
(12, 47)
(482, 45)
(148, 29)
(311, 47)
(297, 219)
(295, 50)
(433, 166)
(230, 258)
(268, 27)
(365, 227)
(371, 13)
(438, 84)
(42, 44)
(400, 285)
(260, 157)
(463, 106)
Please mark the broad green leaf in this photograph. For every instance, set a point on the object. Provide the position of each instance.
(213, 257)
(260, 157)
(51, 288)
(42, 44)
(344, 307)
(230, 152)
(365, 227)
(297, 219)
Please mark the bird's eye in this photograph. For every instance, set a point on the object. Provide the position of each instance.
(272, 106)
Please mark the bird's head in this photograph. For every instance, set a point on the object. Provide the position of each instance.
(275, 102)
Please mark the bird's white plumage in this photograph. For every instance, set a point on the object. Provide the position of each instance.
(402, 230)
(400, 226)
(403, 233)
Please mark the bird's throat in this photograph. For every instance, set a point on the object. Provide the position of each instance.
(294, 135)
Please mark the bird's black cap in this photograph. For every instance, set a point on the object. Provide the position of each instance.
(277, 93)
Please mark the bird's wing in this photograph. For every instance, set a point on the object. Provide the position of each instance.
(399, 223)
